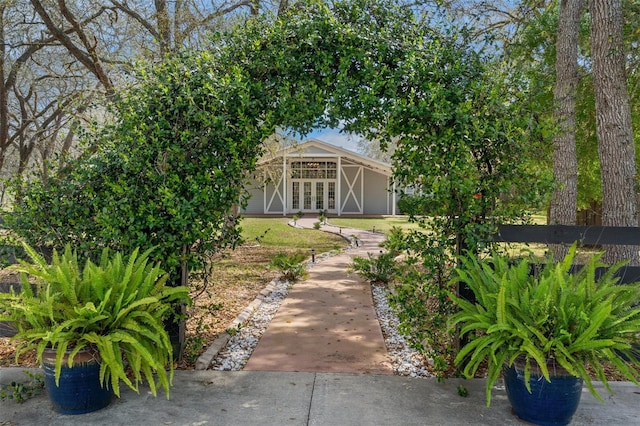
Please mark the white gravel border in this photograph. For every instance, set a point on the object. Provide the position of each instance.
(245, 337)
(405, 360)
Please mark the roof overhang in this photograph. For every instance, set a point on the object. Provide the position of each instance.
(302, 150)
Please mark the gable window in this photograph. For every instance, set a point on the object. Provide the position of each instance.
(314, 170)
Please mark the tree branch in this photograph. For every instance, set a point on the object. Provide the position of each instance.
(90, 60)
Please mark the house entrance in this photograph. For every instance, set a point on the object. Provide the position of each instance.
(313, 186)
(313, 195)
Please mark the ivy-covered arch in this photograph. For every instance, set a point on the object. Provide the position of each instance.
(169, 170)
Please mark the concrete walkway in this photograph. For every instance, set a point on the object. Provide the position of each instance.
(247, 398)
(328, 321)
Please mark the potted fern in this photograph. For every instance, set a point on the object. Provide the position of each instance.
(103, 321)
(547, 332)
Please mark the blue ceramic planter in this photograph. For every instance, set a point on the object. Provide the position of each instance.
(549, 403)
(79, 389)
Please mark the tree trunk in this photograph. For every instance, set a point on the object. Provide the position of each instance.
(176, 324)
(613, 120)
(565, 161)
(164, 26)
(4, 88)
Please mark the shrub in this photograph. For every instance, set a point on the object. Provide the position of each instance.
(415, 204)
(376, 269)
(421, 297)
(291, 266)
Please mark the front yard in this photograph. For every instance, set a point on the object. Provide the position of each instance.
(235, 279)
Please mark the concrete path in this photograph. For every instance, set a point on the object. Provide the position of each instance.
(328, 322)
(244, 398)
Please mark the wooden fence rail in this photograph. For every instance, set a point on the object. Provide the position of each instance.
(585, 235)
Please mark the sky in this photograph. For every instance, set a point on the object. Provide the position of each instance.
(334, 137)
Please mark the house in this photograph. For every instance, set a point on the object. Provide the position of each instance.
(314, 176)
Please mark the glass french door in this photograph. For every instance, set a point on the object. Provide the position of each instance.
(313, 195)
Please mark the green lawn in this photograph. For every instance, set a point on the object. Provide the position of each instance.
(275, 233)
(381, 224)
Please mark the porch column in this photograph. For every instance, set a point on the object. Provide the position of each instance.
(390, 197)
(284, 185)
(264, 191)
(339, 186)
(393, 208)
(361, 189)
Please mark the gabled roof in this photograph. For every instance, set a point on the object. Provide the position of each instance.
(315, 148)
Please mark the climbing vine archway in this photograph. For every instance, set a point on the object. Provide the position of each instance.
(187, 135)
(170, 168)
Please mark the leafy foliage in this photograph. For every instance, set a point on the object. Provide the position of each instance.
(532, 50)
(376, 269)
(170, 181)
(116, 308)
(169, 171)
(467, 142)
(467, 153)
(571, 318)
(291, 266)
(421, 296)
(21, 391)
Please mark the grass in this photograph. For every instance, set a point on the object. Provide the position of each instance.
(275, 233)
(384, 224)
(380, 224)
(539, 218)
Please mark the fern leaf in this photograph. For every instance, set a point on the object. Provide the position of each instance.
(533, 352)
(598, 317)
(502, 302)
